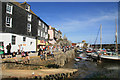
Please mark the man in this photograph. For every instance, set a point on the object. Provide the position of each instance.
(21, 48)
(8, 49)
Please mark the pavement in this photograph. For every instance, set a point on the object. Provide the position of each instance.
(31, 73)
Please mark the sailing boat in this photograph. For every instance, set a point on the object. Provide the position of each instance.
(113, 55)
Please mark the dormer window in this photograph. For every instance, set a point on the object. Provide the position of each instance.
(9, 9)
(27, 7)
(29, 17)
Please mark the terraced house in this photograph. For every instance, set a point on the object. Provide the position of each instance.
(20, 25)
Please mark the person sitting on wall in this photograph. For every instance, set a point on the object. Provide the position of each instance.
(27, 58)
(23, 56)
(40, 51)
(14, 57)
(44, 54)
(51, 54)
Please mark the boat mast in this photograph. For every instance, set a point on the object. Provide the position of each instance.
(101, 37)
(116, 36)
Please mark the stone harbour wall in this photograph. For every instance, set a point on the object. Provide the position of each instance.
(59, 59)
(64, 58)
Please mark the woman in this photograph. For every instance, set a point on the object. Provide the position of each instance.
(2, 51)
(14, 57)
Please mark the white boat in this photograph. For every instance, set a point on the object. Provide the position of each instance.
(113, 55)
(104, 57)
(77, 59)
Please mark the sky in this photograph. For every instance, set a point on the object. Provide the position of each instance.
(80, 20)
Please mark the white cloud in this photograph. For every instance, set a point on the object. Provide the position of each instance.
(74, 25)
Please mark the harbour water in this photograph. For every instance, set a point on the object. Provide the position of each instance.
(90, 69)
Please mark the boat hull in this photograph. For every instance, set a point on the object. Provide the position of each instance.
(110, 58)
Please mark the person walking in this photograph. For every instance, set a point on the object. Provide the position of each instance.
(8, 49)
(2, 51)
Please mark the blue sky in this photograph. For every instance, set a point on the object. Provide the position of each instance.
(80, 20)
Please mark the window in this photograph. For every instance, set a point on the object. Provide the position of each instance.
(24, 39)
(45, 28)
(42, 25)
(29, 17)
(29, 27)
(38, 32)
(27, 7)
(9, 9)
(41, 34)
(46, 36)
(39, 23)
(13, 40)
(8, 22)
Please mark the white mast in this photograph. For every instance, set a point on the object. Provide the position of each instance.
(100, 36)
(116, 36)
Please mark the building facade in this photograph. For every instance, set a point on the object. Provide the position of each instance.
(20, 25)
(51, 33)
(54, 35)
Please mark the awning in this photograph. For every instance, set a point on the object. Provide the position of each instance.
(41, 42)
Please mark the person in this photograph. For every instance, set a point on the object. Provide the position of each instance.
(40, 51)
(2, 51)
(27, 58)
(23, 54)
(21, 48)
(44, 54)
(8, 49)
(14, 57)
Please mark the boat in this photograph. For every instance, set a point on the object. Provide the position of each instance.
(110, 55)
(77, 59)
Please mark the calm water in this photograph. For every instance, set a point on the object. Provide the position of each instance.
(89, 69)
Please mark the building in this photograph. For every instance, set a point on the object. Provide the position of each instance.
(20, 25)
(54, 35)
(59, 35)
(42, 37)
(51, 33)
